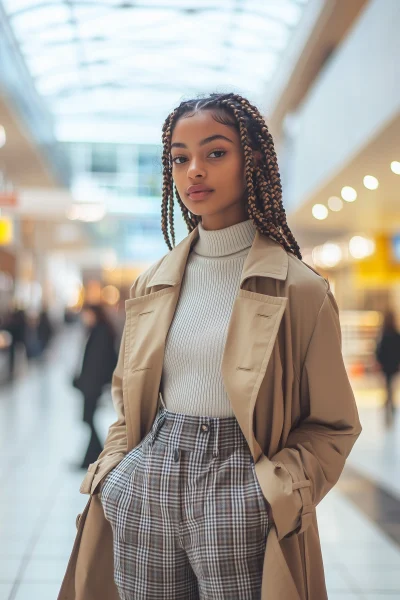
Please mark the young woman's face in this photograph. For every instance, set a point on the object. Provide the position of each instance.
(215, 165)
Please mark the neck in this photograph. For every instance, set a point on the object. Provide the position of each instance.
(235, 214)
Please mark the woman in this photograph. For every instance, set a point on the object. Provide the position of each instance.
(388, 356)
(99, 361)
(235, 413)
(45, 330)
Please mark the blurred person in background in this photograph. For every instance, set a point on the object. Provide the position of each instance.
(235, 414)
(45, 330)
(99, 361)
(388, 356)
(16, 325)
(32, 341)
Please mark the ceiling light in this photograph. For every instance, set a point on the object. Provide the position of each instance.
(328, 255)
(349, 194)
(395, 166)
(319, 211)
(361, 247)
(335, 203)
(110, 295)
(371, 182)
(3, 137)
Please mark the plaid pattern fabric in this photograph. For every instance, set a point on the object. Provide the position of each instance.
(188, 516)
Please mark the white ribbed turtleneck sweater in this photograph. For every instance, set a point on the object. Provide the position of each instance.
(191, 379)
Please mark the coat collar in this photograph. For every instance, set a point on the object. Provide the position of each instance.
(266, 258)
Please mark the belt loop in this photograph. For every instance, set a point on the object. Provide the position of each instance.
(216, 438)
(159, 422)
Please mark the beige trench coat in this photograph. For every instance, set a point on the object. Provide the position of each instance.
(283, 371)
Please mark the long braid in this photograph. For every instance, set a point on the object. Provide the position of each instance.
(167, 191)
(265, 216)
(263, 183)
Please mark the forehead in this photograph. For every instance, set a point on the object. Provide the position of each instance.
(194, 128)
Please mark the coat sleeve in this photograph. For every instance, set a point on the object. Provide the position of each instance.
(316, 450)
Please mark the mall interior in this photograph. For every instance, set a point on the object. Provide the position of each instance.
(85, 87)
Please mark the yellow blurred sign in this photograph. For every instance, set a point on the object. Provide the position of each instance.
(6, 231)
(379, 269)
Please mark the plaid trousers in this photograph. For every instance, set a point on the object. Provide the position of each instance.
(188, 516)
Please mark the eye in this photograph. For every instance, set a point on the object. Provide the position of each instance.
(180, 160)
(218, 152)
(175, 160)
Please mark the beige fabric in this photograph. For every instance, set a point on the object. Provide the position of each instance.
(283, 371)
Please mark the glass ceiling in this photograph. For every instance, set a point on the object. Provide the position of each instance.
(113, 69)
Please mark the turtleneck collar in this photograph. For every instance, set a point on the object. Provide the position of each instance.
(223, 242)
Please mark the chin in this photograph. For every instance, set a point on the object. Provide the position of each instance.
(200, 212)
(205, 209)
(197, 210)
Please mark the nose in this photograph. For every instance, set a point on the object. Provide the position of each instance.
(196, 169)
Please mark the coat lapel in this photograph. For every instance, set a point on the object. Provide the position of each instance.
(252, 331)
(251, 335)
(148, 319)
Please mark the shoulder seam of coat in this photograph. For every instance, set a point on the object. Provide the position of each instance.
(315, 325)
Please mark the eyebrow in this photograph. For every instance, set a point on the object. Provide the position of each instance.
(203, 142)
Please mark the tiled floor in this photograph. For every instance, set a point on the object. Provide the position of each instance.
(40, 431)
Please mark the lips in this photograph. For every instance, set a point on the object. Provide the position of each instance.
(195, 189)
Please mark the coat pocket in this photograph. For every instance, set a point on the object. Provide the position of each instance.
(90, 475)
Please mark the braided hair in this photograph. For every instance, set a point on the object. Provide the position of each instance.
(263, 183)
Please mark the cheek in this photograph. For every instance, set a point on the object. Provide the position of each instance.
(179, 179)
(175, 178)
(178, 176)
(236, 173)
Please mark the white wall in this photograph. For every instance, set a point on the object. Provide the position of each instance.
(356, 94)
